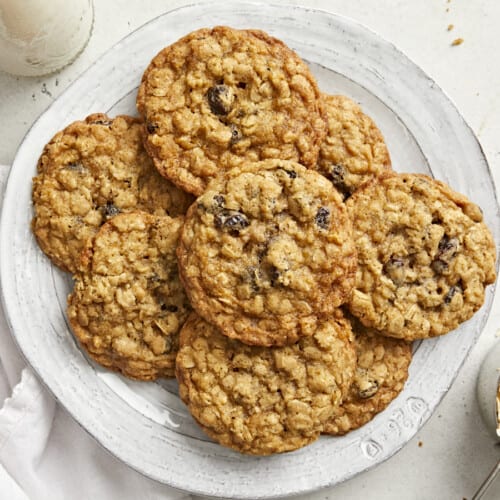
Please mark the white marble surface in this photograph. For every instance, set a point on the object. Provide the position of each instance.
(452, 454)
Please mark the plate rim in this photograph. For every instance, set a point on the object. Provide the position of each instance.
(9, 187)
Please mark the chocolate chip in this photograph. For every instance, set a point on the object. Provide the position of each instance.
(110, 210)
(151, 128)
(337, 176)
(447, 249)
(322, 217)
(394, 263)
(231, 220)
(236, 135)
(214, 207)
(271, 274)
(220, 99)
(367, 388)
(452, 292)
(275, 274)
(241, 85)
(219, 200)
(291, 173)
(395, 269)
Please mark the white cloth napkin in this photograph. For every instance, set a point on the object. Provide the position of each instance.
(44, 454)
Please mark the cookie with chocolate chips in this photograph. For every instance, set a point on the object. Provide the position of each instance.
(265, 250)
(128, 304)
(381, 372)
(425, 256)
(221, 96)
(89, 172)
(260, 400)
(354, 150)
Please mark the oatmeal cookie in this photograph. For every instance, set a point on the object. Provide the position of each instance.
(354, 150)
(128, 304)
(381, 372)
(220, 96)
(260, 400)
(266, 249)
(425, 256)
(89, 172)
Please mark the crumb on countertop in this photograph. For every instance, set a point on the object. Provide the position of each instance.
(420, 444)
(457, 41)
(450, 27)
(45, 90)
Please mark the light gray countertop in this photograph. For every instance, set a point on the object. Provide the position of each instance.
(453, 452)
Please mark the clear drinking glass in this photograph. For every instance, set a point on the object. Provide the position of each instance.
(38, 37)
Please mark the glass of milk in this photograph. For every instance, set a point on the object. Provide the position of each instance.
(38, 37)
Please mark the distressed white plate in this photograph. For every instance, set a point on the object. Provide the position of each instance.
(145, 424)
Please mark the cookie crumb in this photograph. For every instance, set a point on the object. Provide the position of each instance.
(457, 41)
(450, 27)
(45, 90)
(420, 444)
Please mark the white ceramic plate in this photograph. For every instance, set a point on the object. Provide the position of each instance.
(145, 424)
